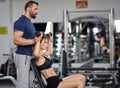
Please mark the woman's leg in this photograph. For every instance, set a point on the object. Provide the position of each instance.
(103, 46)
(73, 81)
(106, 50)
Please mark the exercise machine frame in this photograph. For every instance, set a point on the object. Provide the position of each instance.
(64, 57)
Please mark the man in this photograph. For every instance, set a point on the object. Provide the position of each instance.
(24, 34)
(100, 42)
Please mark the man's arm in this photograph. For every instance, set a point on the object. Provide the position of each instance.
(96, 38)
(19, 40)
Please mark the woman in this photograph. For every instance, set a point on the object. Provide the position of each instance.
(42, 50)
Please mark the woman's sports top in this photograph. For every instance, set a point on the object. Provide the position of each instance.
(47, 64)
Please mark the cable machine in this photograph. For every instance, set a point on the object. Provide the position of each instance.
(67, 66)
(110, 12)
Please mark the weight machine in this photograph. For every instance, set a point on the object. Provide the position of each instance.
(94, 72)
(10, 75)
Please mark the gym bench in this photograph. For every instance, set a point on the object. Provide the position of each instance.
(41, 80)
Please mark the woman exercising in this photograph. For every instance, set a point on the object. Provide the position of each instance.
(42, 51)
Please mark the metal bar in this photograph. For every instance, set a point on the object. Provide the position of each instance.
(87, 68)
(66, 21)
(115, 79)
(9, 78)
(65, 30)
(111, 36)
(88, 11)
(96, 73)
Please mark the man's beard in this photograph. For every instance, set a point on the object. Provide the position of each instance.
(33, 16)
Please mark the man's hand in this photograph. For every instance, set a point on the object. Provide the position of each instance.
(38, 39)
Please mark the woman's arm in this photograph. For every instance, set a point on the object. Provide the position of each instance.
(37, 50)
(48, 51)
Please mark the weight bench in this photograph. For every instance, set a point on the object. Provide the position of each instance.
(41, 80)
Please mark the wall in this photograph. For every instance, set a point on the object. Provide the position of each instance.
(5, 40)
(52, 10)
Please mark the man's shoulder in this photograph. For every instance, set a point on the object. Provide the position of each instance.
(21, 20)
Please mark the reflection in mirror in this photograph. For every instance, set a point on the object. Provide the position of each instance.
(82, 44)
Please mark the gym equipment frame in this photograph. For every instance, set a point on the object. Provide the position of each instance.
(111, 69)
